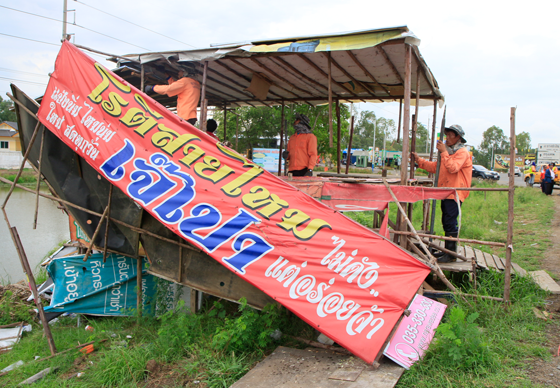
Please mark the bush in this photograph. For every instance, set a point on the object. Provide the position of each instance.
(461, 340)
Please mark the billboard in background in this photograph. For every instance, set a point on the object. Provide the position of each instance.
(502, 161)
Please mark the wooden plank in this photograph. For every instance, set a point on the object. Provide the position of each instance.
(543, 279)
(498, 263)
(499, 260)
(518, 270)
(461, 250)
(480, 259)
(457, 266)
(469, 252)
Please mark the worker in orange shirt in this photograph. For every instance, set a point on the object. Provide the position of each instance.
(301, 152)
(187, 91)
(455, 171)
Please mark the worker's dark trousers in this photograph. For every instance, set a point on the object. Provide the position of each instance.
(449, 215)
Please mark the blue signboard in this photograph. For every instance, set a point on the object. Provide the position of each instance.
(98, 288)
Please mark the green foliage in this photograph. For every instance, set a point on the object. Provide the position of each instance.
(249, 331)
(523, 142)
(5, 113)
(260, 126)
(460, 339)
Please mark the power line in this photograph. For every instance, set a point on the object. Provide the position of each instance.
(74, 24)
(32, 40)
(22, 72)
(134, 24)
(21, 80)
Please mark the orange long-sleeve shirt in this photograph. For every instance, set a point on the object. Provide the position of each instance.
(455, 171)
(302, 151)
(187, 91)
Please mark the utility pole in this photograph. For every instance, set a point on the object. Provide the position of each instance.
(64, 17)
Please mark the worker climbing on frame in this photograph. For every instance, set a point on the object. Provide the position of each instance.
(455, 171)
(187, 90)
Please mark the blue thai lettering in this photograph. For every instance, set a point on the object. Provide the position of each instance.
(113, 168)
(205, 216)
(246, 254)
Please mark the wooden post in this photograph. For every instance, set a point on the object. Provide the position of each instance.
(338, 129)
(348, 156)
(39, 179)
(139, 261)
(406, 118)
(203, 107)
(415, 122)
(330, 100)
(399, 126)
(433, 135)
(194, 299)
(142, 77)
(33, 286)
(107, 224)
(280, 159)
(225, 123)
(511, 193)
(237, 133)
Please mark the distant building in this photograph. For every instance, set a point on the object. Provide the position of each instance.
(9, 136)
(10, 146)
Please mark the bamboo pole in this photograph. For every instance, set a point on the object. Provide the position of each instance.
(96, 232)
(330, 99)
(470, 295)
(464, 240)
(509, 247)
(237, 132)
(139, 261)
(338, 130)
(33, 286)
(436, 178)
(433, 262)
(281, 140)
(348, 154)
(107, 224)
(415, 122)
(39, 179)
(203, 106)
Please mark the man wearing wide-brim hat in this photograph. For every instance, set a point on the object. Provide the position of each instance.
(301, 152)
(455, 171)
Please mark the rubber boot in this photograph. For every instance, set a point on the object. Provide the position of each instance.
(436, 252)
(452, 246)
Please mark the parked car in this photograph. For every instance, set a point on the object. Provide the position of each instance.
(481, 173)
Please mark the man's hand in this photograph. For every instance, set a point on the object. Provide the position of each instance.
(441, 146)
(416, 157)
(309, 173)
(148, 89)
(285, 154)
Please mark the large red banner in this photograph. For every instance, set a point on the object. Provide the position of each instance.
(341, 278)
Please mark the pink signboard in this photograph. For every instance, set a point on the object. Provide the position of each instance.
(415, 332)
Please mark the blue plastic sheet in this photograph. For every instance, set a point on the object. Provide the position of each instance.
(98, 288)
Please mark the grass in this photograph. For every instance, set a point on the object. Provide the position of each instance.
(28, 176)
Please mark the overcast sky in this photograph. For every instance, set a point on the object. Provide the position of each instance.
(487, 56)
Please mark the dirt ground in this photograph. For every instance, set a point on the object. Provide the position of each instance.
(548, 372)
